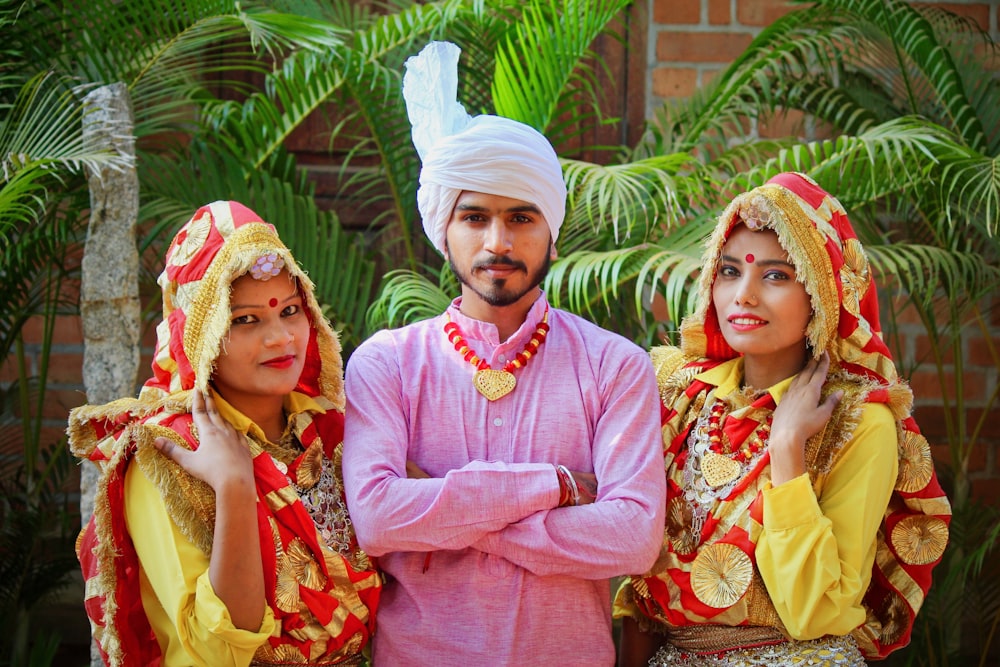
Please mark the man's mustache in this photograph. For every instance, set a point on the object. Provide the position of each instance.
(499, 260)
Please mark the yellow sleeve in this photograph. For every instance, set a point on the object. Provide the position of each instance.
(816, 555)
(191, 623)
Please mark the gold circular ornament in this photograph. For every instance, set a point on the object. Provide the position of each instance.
(920, 540)
(194, 239)
(678, 526)
(915, 463)
(895, 618)
(721, 574)
(854, 276)
(719, 470)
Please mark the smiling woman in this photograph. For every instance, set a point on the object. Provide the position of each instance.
(220, 534)
(791, 457)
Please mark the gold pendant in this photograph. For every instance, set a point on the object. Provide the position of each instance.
(494, 384)
(719, 470)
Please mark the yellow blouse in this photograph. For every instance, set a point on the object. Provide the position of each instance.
(816, 546)
(191, 623)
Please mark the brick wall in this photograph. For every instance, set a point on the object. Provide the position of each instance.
(690, 41)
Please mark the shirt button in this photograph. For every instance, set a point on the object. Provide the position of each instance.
(502, 359)
(498, 422)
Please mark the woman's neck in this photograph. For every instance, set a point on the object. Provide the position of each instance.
(267, 412)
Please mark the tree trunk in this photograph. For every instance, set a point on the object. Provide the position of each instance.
(109, 290)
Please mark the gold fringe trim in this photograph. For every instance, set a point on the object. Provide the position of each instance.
(190, 502)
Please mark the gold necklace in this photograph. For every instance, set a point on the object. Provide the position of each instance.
(489, 382)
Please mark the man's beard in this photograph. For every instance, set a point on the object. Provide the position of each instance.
(498, 295)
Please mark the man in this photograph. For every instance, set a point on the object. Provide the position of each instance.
(502, 460)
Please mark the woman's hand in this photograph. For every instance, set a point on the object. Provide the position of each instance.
(223, 461)
(801, 415)
(222, 456)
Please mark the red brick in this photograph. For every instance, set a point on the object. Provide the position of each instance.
(701, 47)
(991, 424)
(674, 81)
(978, 12)
(761, 12)
(58, 403)
(978, 459)
(66, 368)
(8, 370)
(927, 387)
(987, 490)
(788, 124)
(52, 434)
(67, 330)
(676, 12)
(931, 419)
(923, 354)
(908, 314)
(941, 453)
(983, 352)
(719, 12)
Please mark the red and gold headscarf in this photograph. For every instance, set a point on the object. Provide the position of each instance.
(323, 599)
(814, 230)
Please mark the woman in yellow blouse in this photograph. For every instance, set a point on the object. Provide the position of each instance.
(220, 536)
(803, 513)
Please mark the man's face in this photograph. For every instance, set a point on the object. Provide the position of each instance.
(500, 248)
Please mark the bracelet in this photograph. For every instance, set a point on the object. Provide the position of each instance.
(569, 492)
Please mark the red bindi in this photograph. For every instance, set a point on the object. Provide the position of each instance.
(273, 302)
(749, 258)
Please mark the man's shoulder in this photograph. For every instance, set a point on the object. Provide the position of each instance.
(387, 341)
(595, 335)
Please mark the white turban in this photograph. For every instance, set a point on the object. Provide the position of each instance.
(487, 154)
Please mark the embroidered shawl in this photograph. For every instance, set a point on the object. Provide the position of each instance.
(322, 588)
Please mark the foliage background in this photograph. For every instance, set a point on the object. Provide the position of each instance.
(902, 100)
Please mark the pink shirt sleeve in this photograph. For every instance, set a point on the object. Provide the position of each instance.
(620, 532)
(393, 513)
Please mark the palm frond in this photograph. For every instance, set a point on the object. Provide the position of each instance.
(915, 36)
(928, 274)
(407, 296)
(544, 64)
(646, 193)
(41, 139)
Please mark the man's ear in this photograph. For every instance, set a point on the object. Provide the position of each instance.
(552, 249)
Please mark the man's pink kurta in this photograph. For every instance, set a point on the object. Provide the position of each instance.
(482, 567)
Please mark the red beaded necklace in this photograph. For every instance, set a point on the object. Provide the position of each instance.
(491, 383)
(716, 470)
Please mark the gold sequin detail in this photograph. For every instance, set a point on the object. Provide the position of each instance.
(895, 616)
(678, 526)
(721, 574)
(915, 463)
(297, 567)
(854, 275)
(920, 540)
(197, 232)
(719, 470)
(311, 466)
(494, 384)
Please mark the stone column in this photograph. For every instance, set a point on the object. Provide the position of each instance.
(109, 290)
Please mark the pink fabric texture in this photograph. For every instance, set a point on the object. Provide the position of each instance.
(482, 567)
